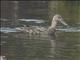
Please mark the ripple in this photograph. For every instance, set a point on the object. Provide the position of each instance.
(75, 29)
(32, 20)
(7, 29)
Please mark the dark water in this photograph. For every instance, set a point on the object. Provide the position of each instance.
(16, 45)
(67, 46)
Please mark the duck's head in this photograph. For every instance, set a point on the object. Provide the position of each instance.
(58, 18)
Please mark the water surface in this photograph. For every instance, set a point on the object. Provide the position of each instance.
(18, 45)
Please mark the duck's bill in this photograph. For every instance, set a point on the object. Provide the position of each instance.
(64, 23)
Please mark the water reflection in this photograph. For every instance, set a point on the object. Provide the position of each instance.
(67, 46)
(18, 45)
(7, 29)
(32, 20)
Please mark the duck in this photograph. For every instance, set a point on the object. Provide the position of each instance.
(52, 29)
(52, 32)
